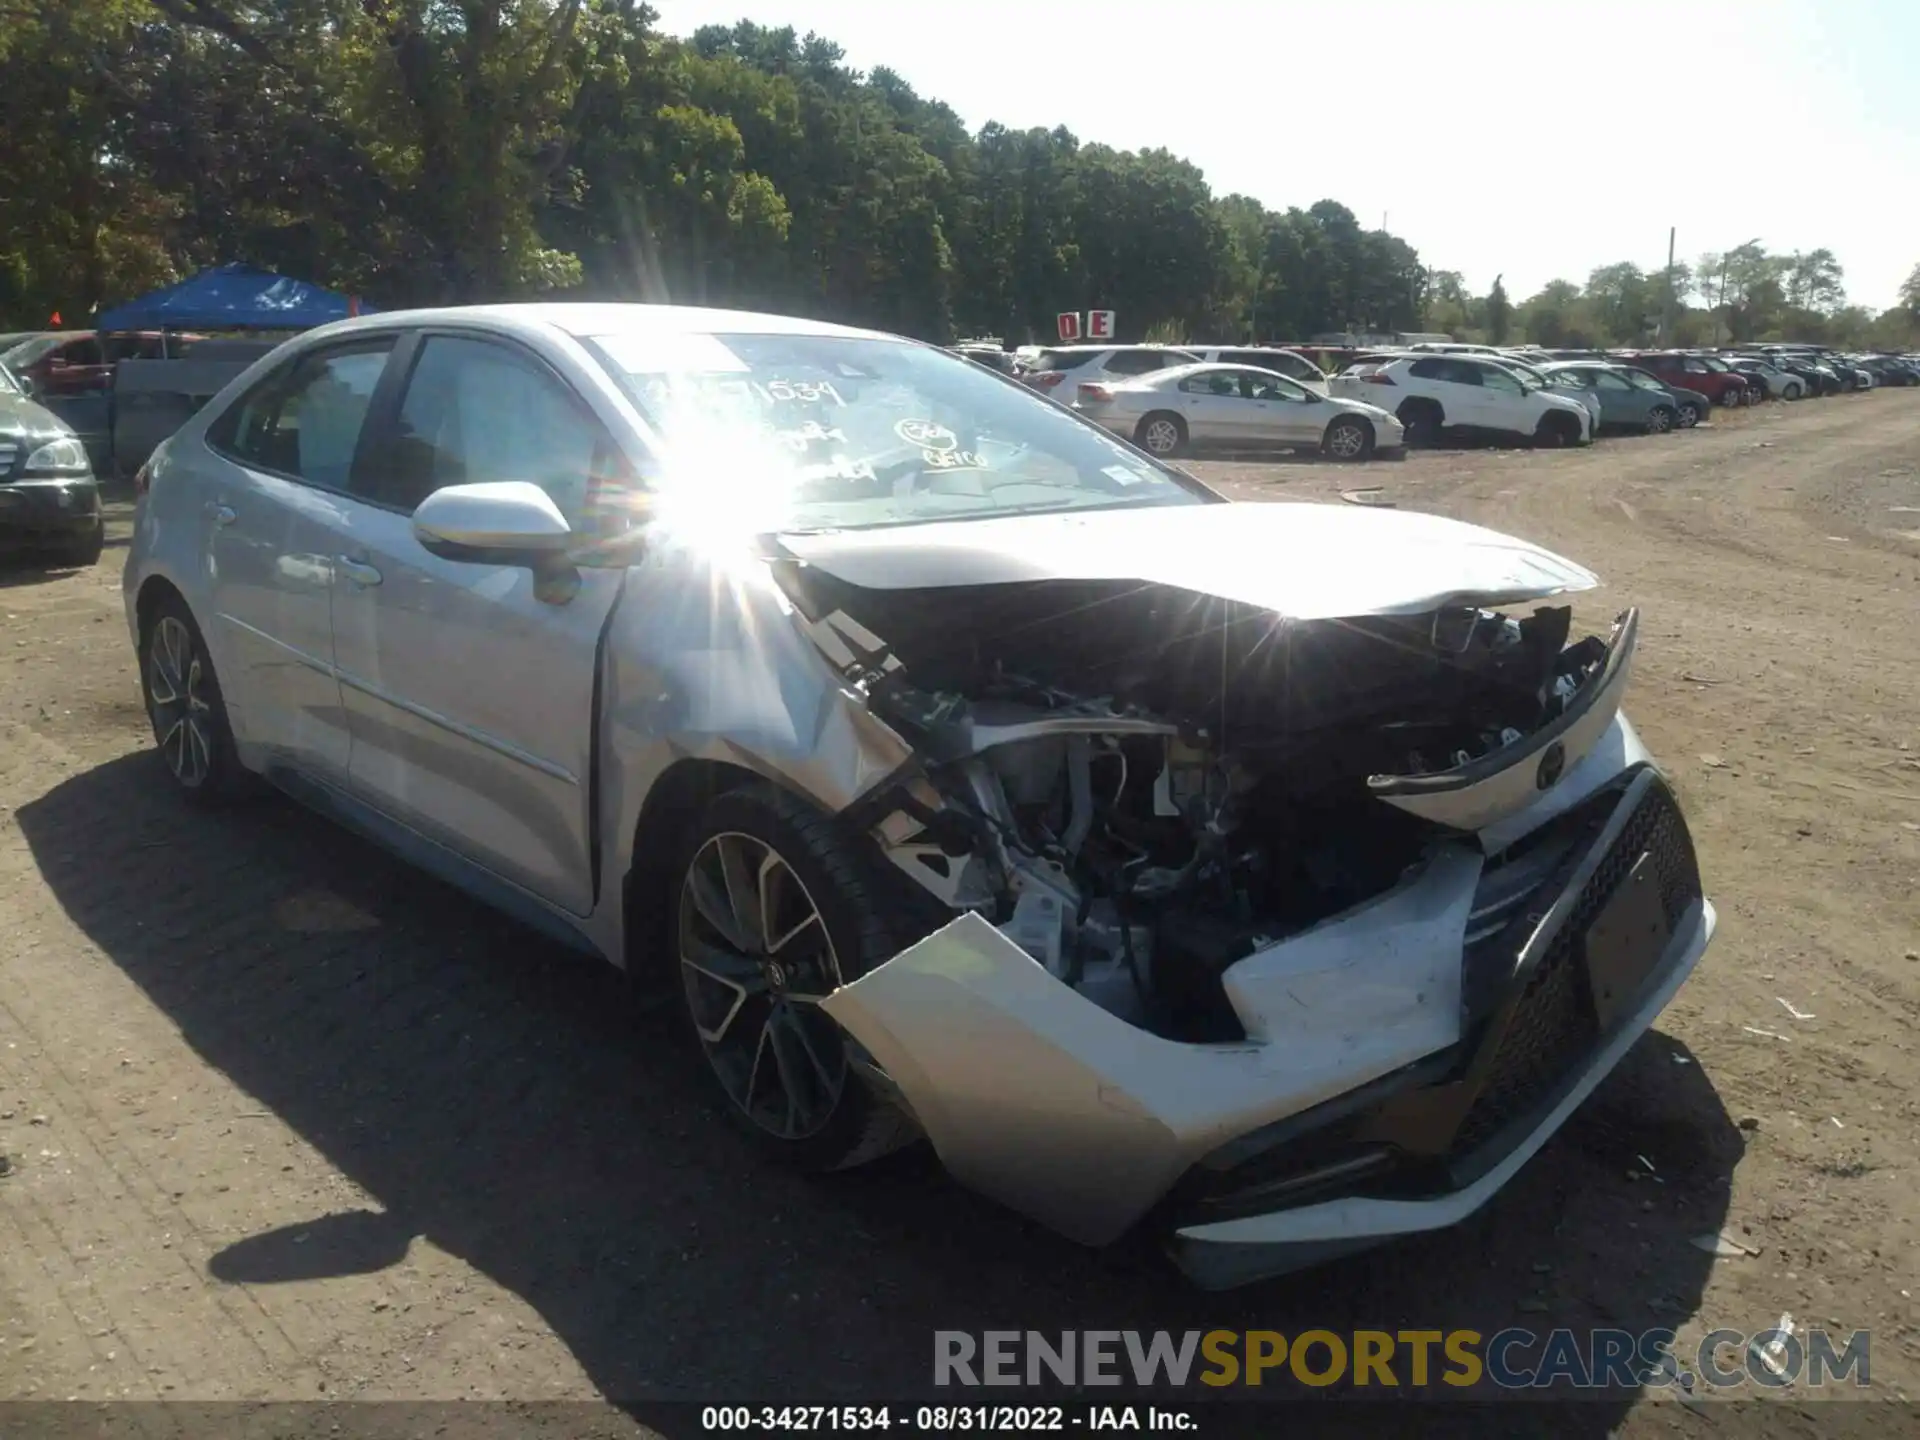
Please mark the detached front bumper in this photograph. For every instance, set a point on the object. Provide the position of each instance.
(48, 511)
(1403, 1059)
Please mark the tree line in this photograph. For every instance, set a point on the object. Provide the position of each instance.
(444, 151)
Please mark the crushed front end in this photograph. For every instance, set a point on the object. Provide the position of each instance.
(1284, 937)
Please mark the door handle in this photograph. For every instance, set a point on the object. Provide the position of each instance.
(358, 571)
(221, 514)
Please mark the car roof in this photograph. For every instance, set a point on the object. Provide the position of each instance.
(580, 319)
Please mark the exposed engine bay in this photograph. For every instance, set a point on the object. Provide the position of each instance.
(1141, 785)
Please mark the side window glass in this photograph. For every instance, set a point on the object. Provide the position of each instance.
(1696, 367)
(305, 423)
(83, 352)
(1137, 362)
(1197, 385)
(1494, 378)
(1429, 370)
(1460, 372)
(477, 412)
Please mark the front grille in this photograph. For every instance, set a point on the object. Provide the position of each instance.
(1553, 1028)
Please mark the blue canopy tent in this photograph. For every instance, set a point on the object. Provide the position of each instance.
(232, 297)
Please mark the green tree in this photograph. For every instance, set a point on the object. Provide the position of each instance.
(1499, 313)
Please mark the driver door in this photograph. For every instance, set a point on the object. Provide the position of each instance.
(1287, 414)
(469, 687)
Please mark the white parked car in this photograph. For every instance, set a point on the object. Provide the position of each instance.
(1464, 394)
(1290, 363)
(1781, 385)
(1235, 406)
(1069, 365)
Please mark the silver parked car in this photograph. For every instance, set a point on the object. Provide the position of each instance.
(1241, 871)
(1236, 407)
(1623, 404)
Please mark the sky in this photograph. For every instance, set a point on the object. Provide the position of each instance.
(1532, 139)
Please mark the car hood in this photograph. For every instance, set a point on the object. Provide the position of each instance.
(1303, 561)
(21, 416)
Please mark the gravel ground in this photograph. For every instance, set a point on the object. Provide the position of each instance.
(284, 1120)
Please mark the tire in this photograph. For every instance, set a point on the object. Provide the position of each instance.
(1161, 434)
(186, 709)
(1556, 432)
(1349, 438)
(815, 1111)
(1688, 415)
(82, 552)
(1660, 420)
(1790, 391)
(1422, 421)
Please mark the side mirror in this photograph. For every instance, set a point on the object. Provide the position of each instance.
(500, 522)
(27, 387)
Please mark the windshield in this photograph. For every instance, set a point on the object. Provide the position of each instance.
(8, 386)
(28, 351)
(825, 432)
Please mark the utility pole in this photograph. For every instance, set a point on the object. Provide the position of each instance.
(1666, 315)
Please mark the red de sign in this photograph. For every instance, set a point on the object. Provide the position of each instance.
(1067, 322)
(1100, 324)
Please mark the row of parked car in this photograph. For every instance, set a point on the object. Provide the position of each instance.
(1172, 399)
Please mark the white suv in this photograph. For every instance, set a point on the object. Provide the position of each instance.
(1096, 365)
(1466, 394)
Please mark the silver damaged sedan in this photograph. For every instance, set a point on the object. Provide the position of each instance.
(1278, 877)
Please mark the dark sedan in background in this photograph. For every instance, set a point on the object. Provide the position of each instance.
(49, 501)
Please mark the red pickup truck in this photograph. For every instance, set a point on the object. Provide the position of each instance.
(74, 362)
(1711, 377)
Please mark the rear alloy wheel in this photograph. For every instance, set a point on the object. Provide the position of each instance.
(1659, 420)
(1349, 439)
(1421, 419)
(1556, 432)
(1161, 434)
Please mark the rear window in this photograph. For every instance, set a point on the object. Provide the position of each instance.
(1061, 359)
(1143, 362)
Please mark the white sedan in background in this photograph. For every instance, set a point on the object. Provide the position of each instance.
(1237, 407)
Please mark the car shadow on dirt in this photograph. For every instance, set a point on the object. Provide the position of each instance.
(495, 1096)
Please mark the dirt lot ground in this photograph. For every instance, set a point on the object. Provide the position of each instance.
(282, 1119)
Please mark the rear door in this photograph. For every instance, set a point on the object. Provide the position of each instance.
(469, 687)
(1212, 406)
(281, 461)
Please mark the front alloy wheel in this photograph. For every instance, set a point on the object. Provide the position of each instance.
(756, 960)
(1349, 439)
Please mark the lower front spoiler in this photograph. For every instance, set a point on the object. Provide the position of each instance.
(48, 511)
(1227, 1253)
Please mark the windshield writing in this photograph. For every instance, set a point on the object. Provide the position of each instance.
(809, 432)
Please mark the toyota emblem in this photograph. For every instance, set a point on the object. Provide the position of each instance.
(1551, 764)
